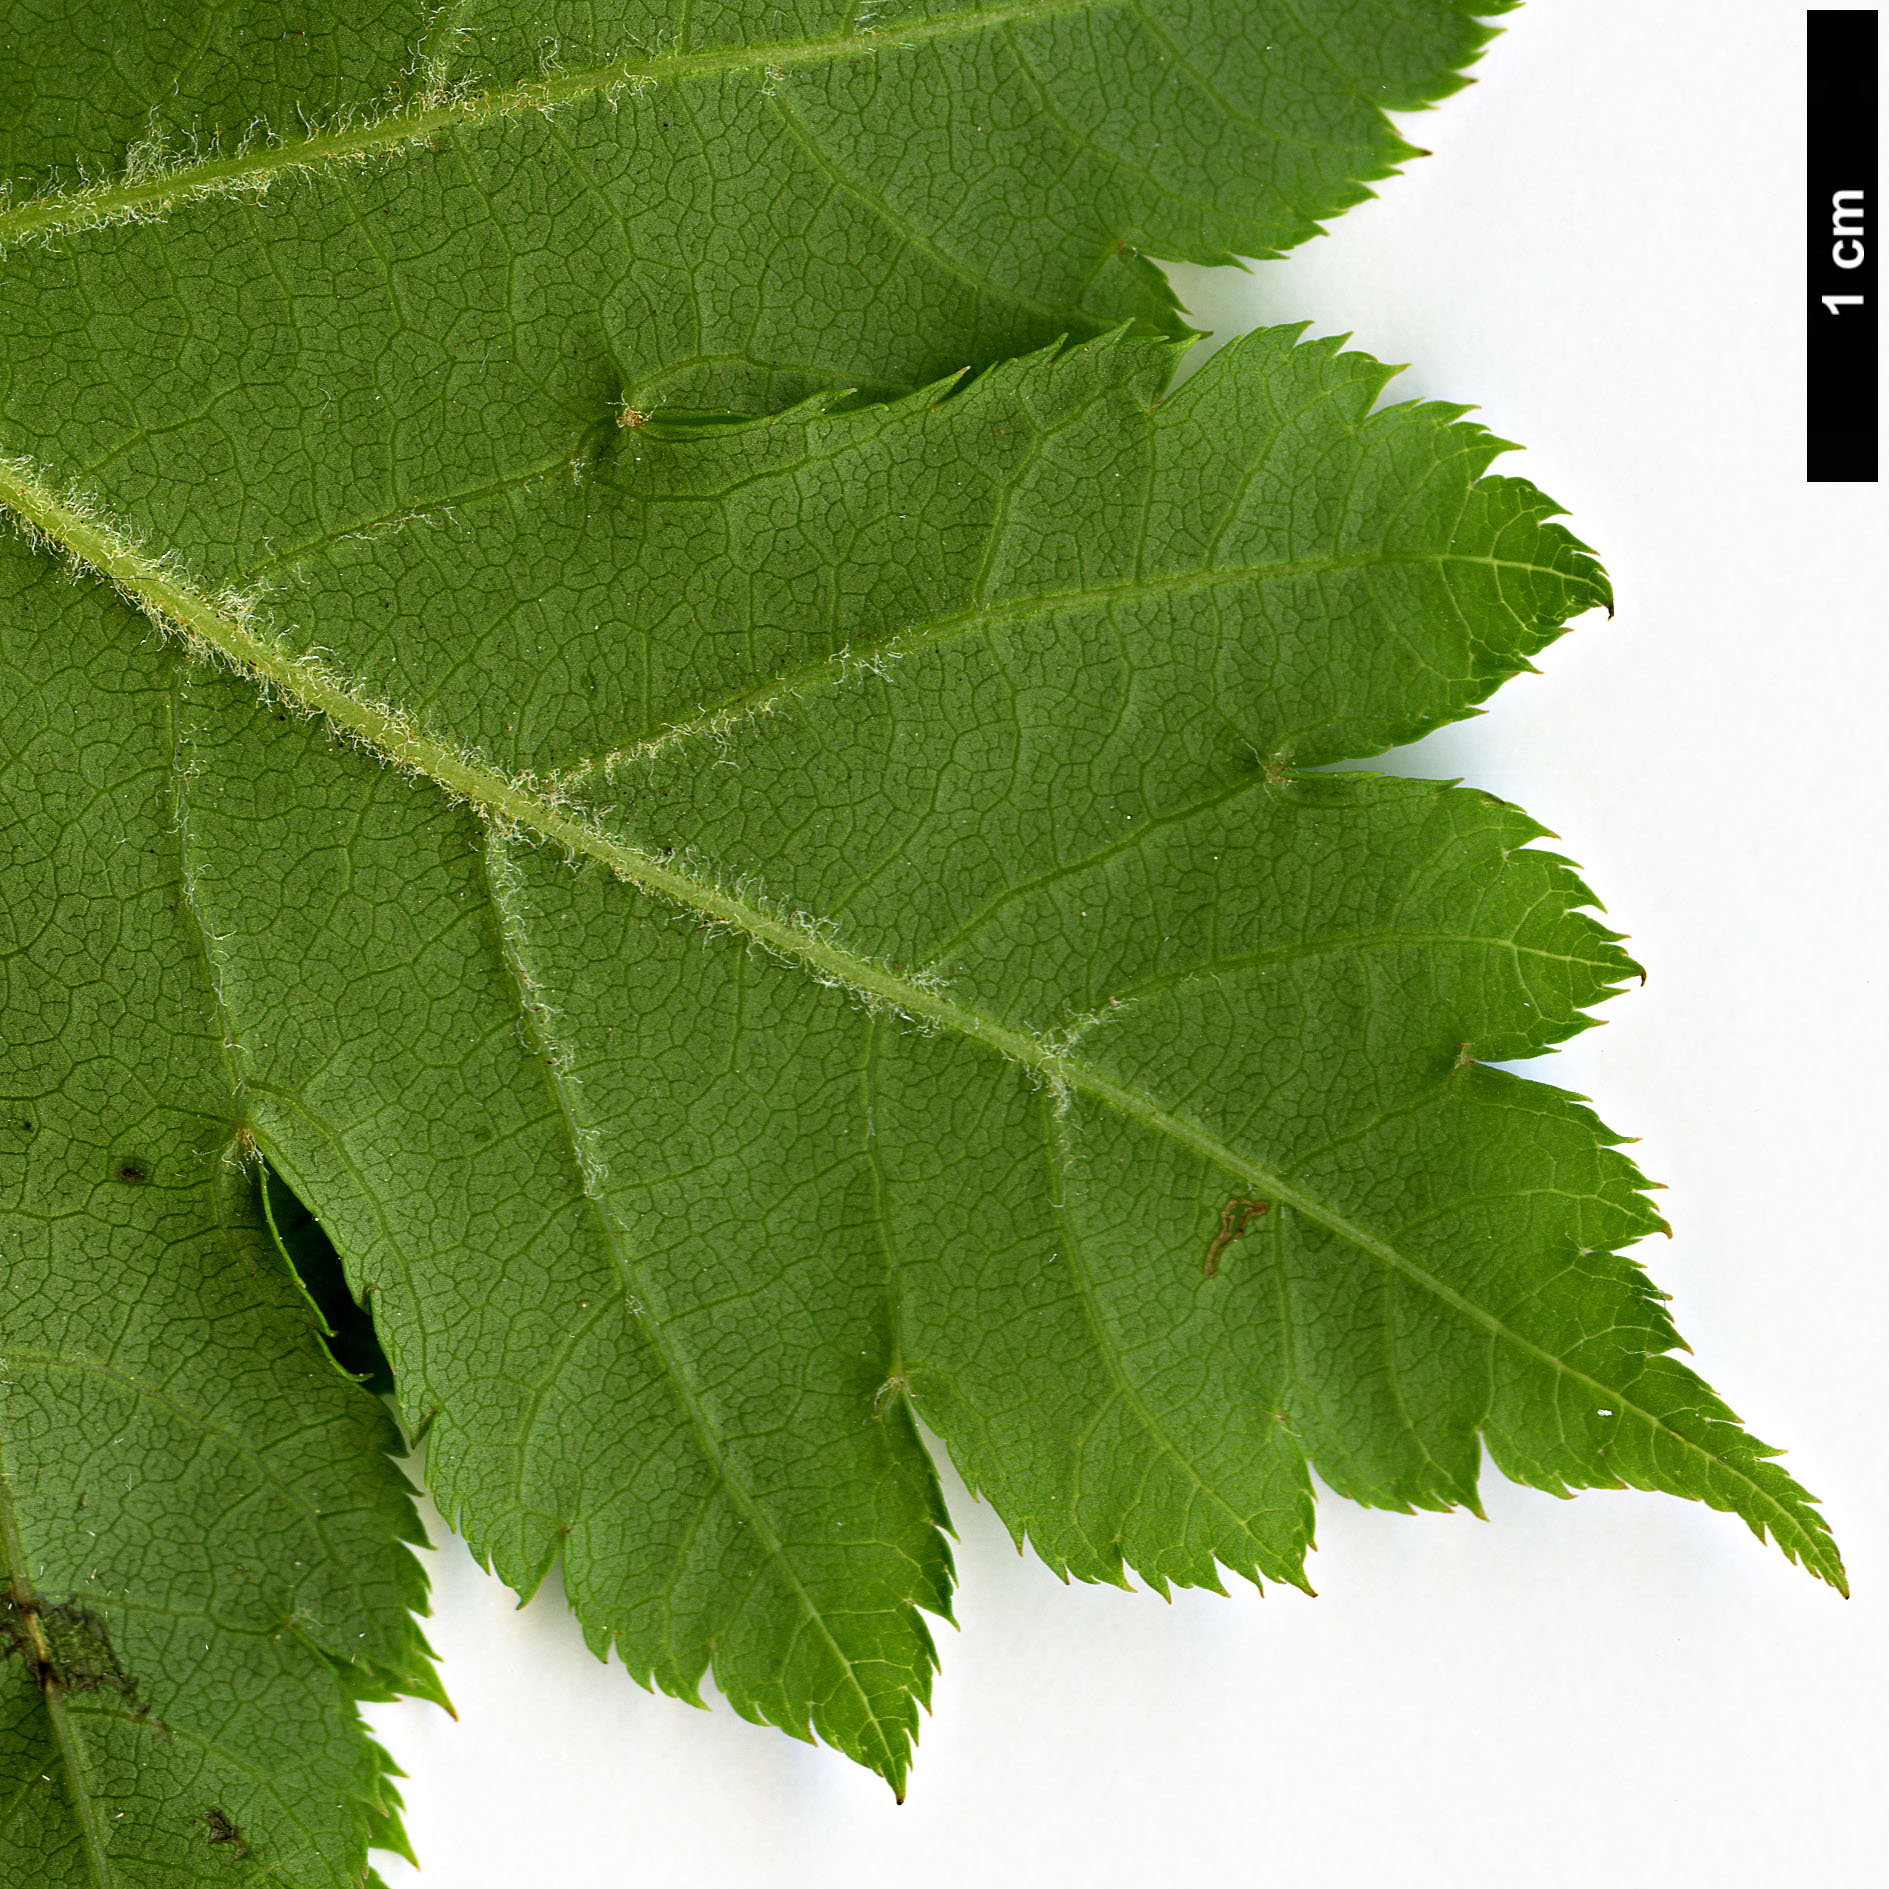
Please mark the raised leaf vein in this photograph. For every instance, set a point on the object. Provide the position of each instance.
(406, 127)
(214, 629)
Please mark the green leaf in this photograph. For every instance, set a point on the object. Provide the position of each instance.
(823, 921)
(745, 935)
(201, 1536)
(343, 261)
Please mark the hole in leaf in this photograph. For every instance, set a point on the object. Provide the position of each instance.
(346, 1326)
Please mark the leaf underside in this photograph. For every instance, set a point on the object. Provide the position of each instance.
(746, 934)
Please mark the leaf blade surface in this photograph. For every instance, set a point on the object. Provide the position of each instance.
(894, 1032)
(458, 276)
(204, 1542)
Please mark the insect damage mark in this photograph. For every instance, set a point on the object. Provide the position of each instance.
(223, 1830)
(66, 1645)
(1235, 1217)
(346, 1323)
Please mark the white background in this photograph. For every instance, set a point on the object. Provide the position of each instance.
(1622, 1690)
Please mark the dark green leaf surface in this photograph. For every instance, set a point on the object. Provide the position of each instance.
(390, 246)
(201, 1537)
(822, 920)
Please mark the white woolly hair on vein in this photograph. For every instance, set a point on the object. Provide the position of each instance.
(298, 680)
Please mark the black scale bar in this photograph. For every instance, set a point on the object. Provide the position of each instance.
(1841, 238)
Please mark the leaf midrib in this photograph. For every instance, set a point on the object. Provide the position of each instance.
(254, 170)
(211, 629)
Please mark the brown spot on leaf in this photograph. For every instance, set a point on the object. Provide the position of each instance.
(67, 1645)
(1235, 1217)
(223, 1830)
